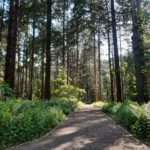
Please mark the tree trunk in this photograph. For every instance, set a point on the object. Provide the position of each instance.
(77, 44)
(48, 52)
(42, 67)
(32, 53)
(95, 76)
(18, 74)
(99, 63)
(10, 57)
(137, 53)
(22, 82)
(26, 71)
(2, 20)
(110, 68)
(23, 73)
(116, 55)
(67, 45)
(121, 74)
(64, 47)
(109, 54)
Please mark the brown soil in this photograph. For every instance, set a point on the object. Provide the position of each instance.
(86, 129)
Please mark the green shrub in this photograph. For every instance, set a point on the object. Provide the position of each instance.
(22, 120)
(5, 91)
(125, 115)
(110, 108)
(132, 115)
(63, 89)
(99, 104)
(142, 127)
(67, 105)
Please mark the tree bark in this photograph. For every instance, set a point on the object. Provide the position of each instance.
(42, 67)
(26, 71)
(109, 53)
(99, 62)
(18, 74)
(137, 53)
(95, 76)
(116, 55)
(67, 44)
(2, 20)
(47, 90)
(10, 58)
(121, 74)
(64, 46)
(77, 44)
(32, 52)
(110, 67)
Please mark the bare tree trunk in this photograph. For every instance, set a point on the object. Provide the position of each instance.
(23, 74)
(26, 72)
(22, 82)
(10, 58)
(77, 40)
(137, 53)
(32, 53)
(2, 20)
(121, 74)
(110, 67)
(116, 55)
(18, 74)
(95, 76)
(67, 45)
(109, 54)
(64, 46)
(99, 62)
(47, 90)
(42, 67)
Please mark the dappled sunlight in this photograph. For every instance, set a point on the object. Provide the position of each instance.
(66, 131)
(77, 143)
(74, 74)
(126, 144)
(86, 130)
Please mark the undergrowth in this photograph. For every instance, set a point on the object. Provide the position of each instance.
(23, 120)
(133, 116)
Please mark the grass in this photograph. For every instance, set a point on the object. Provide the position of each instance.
(135, 117)
(23, 120)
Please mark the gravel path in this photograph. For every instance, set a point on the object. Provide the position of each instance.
(86, 129)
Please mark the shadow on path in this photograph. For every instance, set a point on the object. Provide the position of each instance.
(86, 129)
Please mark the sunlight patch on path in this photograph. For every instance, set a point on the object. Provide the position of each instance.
(86, 129)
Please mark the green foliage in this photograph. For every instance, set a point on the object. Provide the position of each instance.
(67, 105)
(99, 104)
(141, 128)
(125, 115)
(5, 91)
(22, 120)
(132, 115)
(110, 108)
(62, 89)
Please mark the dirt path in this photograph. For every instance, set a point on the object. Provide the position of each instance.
(86, 129)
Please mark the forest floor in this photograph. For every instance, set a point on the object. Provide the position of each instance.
(86, 129)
